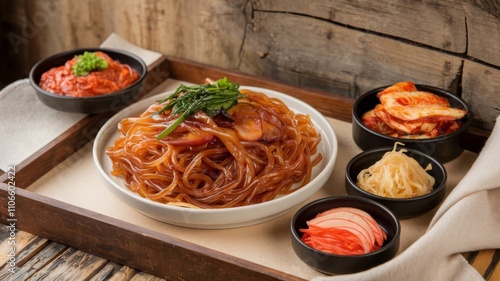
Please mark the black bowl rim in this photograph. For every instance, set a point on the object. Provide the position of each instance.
(142, 75)
(448, 95)
(363, 154)
(394, 218)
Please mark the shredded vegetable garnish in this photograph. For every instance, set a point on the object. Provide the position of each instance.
(396, 175)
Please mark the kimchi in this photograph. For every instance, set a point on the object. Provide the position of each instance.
(406, 112)
(62, 80)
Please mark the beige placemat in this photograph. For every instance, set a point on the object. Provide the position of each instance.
(76, 181)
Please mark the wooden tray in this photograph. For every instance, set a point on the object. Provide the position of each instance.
(134, 246)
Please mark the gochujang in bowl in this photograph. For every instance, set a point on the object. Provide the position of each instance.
(92, 80)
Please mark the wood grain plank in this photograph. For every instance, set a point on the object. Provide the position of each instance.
(34, 264)
(339, 46)
(345, 47)
(480, 88)
(483, 260)
(4, 232)
(483, 20)
(107, 272)
(125, 273)
(440, 24)
(183, 29)
(341, 60)
(33, 248)
(160, 255)
(495, 274)
(493, 269)
(16, 62)
(329, 104)
(26, 244)
(72, 264)
(141, 276)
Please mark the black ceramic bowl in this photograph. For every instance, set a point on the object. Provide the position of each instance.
(104, 103)
(444, 148)
(401, 207)
(338, 264)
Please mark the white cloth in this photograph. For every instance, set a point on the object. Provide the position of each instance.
(26, 124)
(468, 220)
(113, 41)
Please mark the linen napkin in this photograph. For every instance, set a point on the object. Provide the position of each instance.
(114, 41)
(468, 220)
(26, 124)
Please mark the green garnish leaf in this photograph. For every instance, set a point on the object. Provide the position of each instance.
(87, 63)
(211, 98)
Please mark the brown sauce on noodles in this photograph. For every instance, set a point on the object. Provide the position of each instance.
(250, 157)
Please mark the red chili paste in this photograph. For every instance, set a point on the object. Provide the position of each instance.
(60, 80)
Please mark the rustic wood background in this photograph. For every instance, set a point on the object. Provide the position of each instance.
(343, 47)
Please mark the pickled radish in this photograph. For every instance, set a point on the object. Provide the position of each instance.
(379, 234)
(344, 231)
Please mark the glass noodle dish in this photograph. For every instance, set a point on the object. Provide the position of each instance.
(215, 146)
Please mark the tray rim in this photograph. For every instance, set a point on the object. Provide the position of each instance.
(97, 225)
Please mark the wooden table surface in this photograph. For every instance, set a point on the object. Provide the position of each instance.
(39, 258)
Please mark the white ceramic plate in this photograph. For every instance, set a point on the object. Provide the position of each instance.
(218, 218)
